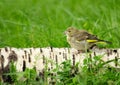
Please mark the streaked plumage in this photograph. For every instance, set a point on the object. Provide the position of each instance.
(81, 39)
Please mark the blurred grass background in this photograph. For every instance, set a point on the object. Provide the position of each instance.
(41, 23)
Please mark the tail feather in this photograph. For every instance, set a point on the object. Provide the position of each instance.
(104, 41)
(99, 41)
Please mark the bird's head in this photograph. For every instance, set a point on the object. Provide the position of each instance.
(71, 31)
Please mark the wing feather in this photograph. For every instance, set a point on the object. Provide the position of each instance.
(84, 35)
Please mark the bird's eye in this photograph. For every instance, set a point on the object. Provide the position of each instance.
(69, 31)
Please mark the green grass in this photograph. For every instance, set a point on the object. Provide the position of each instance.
(38, 23)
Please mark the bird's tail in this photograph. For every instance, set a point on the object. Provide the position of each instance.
(99, 41)
(104, 41)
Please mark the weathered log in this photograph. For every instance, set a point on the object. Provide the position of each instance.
(38, 57)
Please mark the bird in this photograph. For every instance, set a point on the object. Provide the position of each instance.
(82, 40)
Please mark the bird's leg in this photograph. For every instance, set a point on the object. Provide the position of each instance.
(80, 51)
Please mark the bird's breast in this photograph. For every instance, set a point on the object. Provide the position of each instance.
(79, 45)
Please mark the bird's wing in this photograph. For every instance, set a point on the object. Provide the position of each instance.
(84, 35)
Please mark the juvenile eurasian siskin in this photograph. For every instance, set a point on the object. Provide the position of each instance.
(81, 40)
